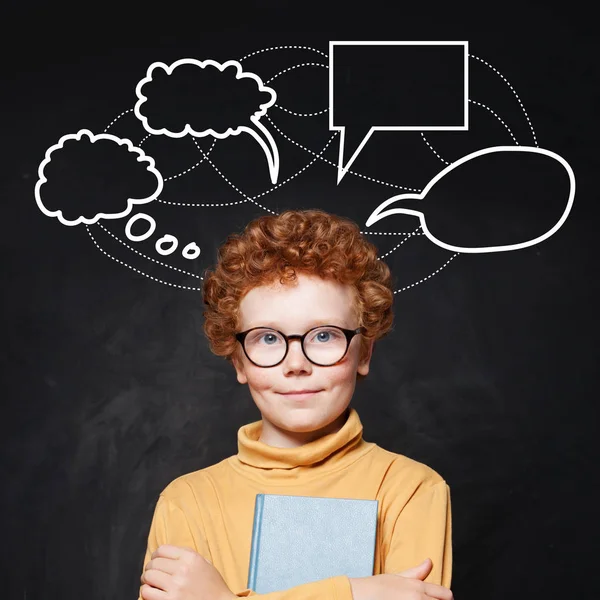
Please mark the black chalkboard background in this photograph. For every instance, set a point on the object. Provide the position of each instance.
(109, 390)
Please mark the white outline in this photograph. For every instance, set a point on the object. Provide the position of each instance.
(130, 248)
(94, 138)
(380, 212)
(260, 133)
(167, 237)
(143, 236)
(342, 170)
(190, 248)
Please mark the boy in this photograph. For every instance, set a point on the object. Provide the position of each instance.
(295, 303)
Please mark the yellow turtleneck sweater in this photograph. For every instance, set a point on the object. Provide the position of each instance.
(212, 510)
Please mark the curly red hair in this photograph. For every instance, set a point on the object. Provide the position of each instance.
(311, 242)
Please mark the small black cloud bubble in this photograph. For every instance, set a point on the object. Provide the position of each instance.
(87, 177)
(201, 97)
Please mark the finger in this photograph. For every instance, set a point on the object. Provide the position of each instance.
(438, 591)
(166, 565)
(436, 596)
(171, 551)
(419, 571)
(148, 592)
(157, 579)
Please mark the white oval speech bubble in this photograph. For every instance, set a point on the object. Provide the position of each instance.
(381, 213)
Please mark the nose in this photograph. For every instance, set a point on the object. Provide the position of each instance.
(295, 360)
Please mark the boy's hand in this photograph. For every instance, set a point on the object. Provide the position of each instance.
(180, 573)
(407, 585)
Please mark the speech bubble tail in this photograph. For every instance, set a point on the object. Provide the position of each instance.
(344, 143)
(263, 136)
(405, 204)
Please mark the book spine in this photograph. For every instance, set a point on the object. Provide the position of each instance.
(255, 548)
(375, 531)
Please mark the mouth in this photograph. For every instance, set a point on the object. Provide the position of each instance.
(300, 394)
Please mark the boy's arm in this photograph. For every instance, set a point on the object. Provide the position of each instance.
(333, 588)
(170, 526)
(423, 529)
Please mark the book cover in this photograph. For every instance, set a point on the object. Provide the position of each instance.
(301, 539)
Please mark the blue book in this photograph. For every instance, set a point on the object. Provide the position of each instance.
(301, 539)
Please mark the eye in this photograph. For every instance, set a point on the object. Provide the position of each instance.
(328, 334)
(269, 338)
(263, 337)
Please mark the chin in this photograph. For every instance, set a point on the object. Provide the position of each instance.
(305, 420)
(302, 427)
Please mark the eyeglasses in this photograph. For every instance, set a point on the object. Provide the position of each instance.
(325, 345)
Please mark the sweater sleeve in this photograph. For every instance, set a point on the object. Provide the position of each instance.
(423, 529)
(170, 526)
(333, 588)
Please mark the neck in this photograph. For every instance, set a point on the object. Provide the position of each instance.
(275, 436)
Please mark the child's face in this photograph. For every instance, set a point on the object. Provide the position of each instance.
(294, 309)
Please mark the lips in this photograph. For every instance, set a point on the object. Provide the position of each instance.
(299, 392)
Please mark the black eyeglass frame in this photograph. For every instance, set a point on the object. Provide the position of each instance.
(349, 333)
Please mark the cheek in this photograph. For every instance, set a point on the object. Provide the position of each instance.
(259, 379)
(343, 374)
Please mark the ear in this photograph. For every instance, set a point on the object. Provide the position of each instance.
(239, 368)
(363, 365)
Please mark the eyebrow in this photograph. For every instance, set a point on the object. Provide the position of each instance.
(316, 323)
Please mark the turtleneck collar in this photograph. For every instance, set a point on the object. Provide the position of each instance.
(338, 448)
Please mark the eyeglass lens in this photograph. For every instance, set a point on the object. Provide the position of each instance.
(324, 346)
